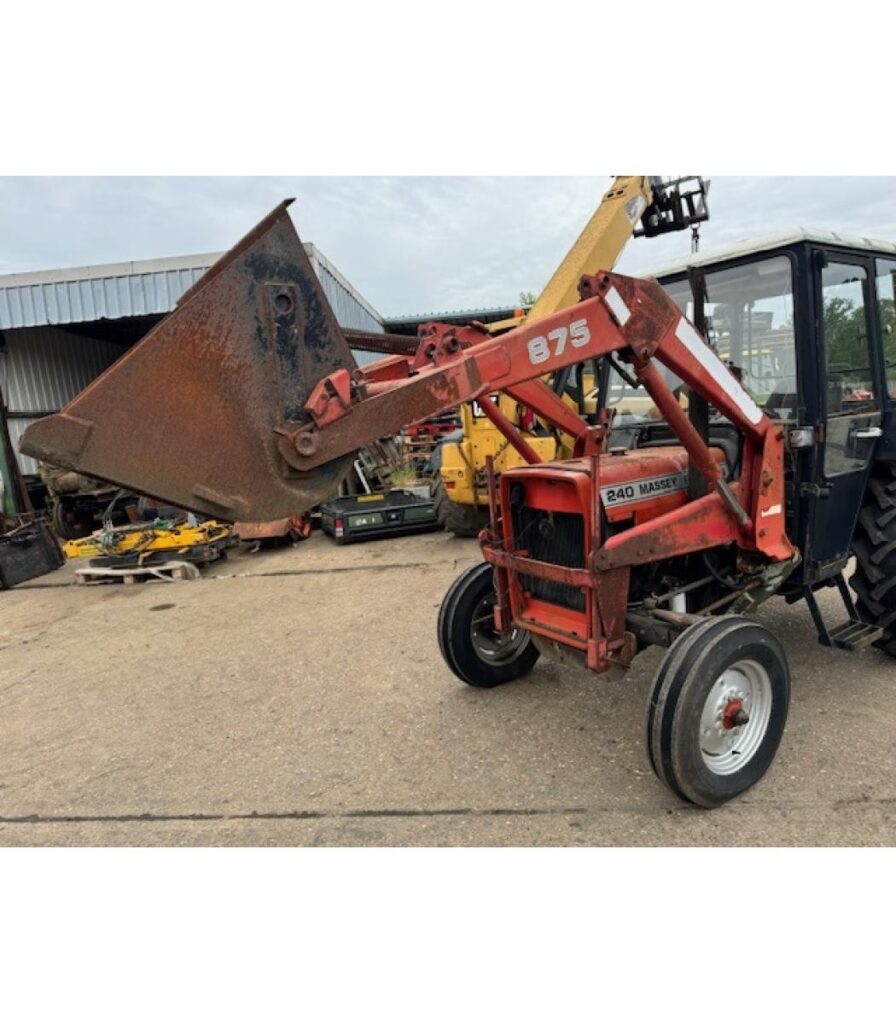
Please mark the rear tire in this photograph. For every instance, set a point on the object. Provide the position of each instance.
(472, 648)
(717, 710)
(67, 523)
(461, 520)
(874, 545)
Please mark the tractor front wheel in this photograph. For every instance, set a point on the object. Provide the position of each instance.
(717, 709)
(471, 646)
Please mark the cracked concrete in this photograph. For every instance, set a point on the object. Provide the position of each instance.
(298, 697)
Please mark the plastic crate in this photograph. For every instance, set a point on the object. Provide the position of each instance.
(27, 552)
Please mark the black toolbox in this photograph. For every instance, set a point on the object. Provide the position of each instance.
(380, 514)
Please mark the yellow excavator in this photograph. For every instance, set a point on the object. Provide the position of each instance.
(633, 206)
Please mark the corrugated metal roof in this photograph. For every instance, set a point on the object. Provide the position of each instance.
(763, 243)
(455, 314)
(110, 291)
(350, 307)
(144, 287)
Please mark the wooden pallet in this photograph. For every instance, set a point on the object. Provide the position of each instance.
(417, 451)
(167, 572)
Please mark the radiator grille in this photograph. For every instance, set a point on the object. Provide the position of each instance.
(557, 538)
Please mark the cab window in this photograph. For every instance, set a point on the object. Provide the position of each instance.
(886, 305)
(749, 318)
(850, 398)
(849, 377)
(750, 324)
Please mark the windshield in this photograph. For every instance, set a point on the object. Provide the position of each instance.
(749, 319)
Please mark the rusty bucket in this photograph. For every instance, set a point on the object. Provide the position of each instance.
(191, 414)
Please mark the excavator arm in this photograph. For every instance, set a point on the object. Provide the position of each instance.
(633, 205)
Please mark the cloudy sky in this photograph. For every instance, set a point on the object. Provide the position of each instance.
(409, 245)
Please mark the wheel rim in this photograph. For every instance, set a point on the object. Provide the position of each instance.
(727, 742)
(492, 646)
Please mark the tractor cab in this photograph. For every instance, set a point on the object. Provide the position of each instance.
(805, 321)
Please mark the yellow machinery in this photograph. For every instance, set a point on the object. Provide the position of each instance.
(632, 206)
(142, 542)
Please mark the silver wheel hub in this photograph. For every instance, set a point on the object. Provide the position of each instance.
(492, 646)
(735, 717)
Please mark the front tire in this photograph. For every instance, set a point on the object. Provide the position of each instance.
(471, 646)
(717, 709)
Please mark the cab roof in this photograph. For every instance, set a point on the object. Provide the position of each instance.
(764, 243)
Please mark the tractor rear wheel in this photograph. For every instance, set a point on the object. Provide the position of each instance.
(471, 646)
(461, 520)
(874, 547)
(717, 709)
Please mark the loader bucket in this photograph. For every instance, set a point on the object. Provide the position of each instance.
(189, 414)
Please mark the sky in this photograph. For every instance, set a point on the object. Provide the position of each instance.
(409, 245)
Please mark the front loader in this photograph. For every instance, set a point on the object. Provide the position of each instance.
(781, 468)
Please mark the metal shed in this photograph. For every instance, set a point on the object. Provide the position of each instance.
(59, 329)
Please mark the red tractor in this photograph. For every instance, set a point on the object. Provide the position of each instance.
(779, 470)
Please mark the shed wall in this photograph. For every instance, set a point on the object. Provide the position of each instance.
(42, 369)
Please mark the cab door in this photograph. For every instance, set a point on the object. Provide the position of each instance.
(850, 379)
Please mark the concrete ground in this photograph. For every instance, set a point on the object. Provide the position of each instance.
(297, 697)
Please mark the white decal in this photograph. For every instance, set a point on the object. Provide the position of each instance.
(641, 490)
(559, 336)
(652, 487)
(635, 207)
(617, 307)
(704, 355)
(580, 333)
(538, 350)
(772, 510)
(541, 349)
(478, 413)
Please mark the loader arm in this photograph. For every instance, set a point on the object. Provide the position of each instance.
(635, 319)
